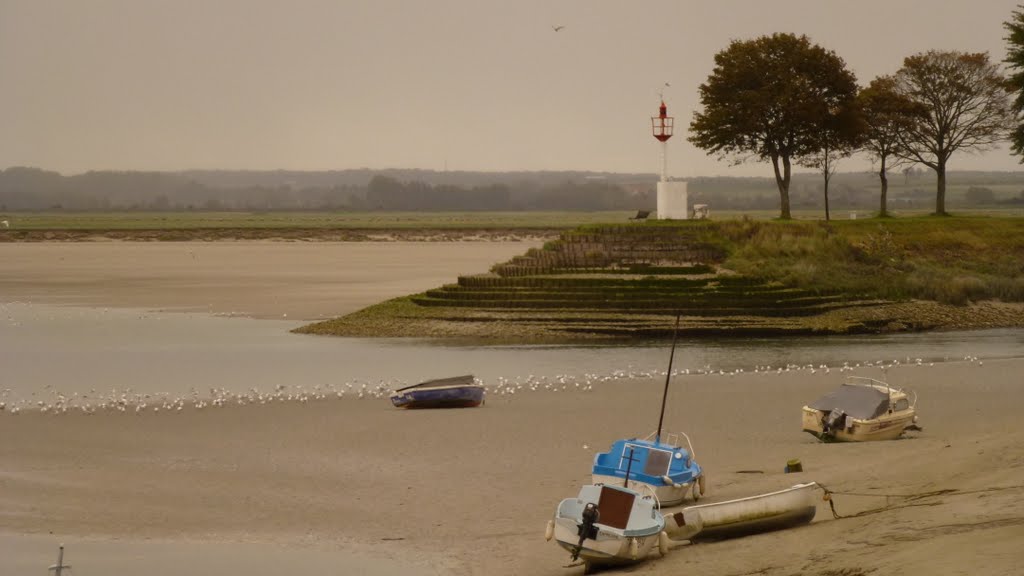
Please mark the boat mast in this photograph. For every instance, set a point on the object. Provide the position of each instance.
(629, 466)
(60, 565)
(668, 375)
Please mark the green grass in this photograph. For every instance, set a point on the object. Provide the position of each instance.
(950, 260)
(953, 260)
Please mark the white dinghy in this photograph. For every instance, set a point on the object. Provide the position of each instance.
(608, 525)
(762, 513)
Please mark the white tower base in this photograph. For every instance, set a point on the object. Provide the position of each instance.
(672, 203)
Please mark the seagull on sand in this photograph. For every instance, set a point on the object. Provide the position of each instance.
(557, 28)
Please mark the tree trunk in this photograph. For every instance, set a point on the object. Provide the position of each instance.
(883, 210)
(827, 164)
(827, 218)
(940, 196)
(782, 180)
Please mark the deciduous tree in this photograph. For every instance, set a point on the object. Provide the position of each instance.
(842, 132)
(768, 99)
(968, 107)
(886, 113)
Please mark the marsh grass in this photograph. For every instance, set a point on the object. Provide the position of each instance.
(950, 260)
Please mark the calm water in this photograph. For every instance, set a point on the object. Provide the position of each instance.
(47, 349)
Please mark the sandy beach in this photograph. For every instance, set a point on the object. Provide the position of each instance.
(348, 485)
(260, 279)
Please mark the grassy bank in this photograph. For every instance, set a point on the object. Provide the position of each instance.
(743, 277)
(949, 260)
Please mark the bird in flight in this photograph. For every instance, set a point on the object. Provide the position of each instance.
(557, 28)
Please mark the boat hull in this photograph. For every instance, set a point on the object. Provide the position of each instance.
(440, 397)
(605, 550)
(762, 513)
(885, 427)
(623, 527)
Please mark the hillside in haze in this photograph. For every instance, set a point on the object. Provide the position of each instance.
(33, 189)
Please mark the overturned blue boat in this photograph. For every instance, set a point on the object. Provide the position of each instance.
(455, 392)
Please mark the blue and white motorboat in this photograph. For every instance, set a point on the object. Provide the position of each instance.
(662, 464)
(659, 462)
(456, 392)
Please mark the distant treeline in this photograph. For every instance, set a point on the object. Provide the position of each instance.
(386, 193)
(33, 189)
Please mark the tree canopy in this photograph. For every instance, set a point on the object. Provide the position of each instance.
(968, 107)
(1015, 60)
(768, 99)
(842, 132)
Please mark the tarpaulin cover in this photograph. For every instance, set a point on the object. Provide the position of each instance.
(860, 402)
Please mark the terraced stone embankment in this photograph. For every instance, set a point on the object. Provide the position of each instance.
(617, 282)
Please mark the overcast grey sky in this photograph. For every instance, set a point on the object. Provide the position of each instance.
(467, 84)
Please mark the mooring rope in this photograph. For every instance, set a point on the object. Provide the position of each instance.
(911, 498)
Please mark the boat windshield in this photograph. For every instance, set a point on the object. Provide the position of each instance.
(649, 461)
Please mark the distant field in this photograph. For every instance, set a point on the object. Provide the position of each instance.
(308, 220)
(390, 220)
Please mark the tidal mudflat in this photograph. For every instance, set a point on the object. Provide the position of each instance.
(329, 482)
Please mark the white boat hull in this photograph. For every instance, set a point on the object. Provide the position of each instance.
(617, 525)
(667, 495)
(762, 513)
(885, 427)
(607, 549)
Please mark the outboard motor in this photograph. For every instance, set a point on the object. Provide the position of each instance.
(587, 529)
(835, 420)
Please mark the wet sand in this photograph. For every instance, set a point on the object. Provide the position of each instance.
(260, 279)
(347, 485)
(469, 491)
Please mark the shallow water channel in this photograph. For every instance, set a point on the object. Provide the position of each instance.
(46, 350)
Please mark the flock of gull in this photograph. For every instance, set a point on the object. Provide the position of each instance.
(53, 401)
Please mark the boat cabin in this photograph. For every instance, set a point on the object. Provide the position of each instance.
(646, 461)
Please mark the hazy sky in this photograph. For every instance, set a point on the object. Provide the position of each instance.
(467, 84)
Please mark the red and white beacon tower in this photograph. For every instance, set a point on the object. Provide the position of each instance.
(671, 195)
